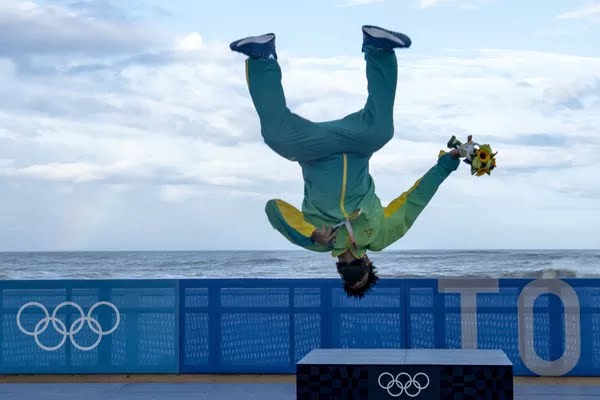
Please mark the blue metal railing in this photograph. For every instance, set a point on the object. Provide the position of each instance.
(56, 336)
(546, 327)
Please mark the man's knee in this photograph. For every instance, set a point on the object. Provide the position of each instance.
(380, 134)
(281, 150)
(270, 135)
(386, 130)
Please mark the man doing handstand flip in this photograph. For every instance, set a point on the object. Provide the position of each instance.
(340, 213)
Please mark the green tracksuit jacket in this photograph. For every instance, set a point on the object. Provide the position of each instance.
(334, 157)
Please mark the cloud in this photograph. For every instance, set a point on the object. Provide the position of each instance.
(577, 95)
(122, 140)
(28, 28)
(191, 42)
(465, 4)
(351, 3)
(430, 3)
(543, 139)
(591, 12)
(112, 9)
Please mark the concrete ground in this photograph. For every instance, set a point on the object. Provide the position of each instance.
(228, 387)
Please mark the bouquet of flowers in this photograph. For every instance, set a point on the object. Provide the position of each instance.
(480, 157)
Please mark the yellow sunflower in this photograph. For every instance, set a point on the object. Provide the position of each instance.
(483, 154)
(482, 171)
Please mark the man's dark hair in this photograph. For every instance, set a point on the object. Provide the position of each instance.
(349, 279)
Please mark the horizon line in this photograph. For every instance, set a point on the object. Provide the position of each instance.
(288, 250)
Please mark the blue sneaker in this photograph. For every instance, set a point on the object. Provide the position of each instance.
(374, 36)
(256, 46)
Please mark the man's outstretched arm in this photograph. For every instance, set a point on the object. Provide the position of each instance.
(290, 222)
(402, 212)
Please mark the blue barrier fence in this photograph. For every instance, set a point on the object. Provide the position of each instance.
(546, 327)
(67, 327)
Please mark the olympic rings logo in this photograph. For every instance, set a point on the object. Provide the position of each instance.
(404, 382)
(61, 328)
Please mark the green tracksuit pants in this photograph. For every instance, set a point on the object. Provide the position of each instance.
(298, 139)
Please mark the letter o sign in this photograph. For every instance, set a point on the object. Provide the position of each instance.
(572, 352)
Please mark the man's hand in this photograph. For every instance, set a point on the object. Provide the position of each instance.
(455, 153)
(324, 236)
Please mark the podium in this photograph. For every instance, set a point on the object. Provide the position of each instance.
(422, 374)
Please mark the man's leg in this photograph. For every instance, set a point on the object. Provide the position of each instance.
(369, 129)
(299, 139)
(286, 133)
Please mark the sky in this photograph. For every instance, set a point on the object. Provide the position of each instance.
(128, 125)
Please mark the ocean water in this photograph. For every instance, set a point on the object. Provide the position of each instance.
(296, 264)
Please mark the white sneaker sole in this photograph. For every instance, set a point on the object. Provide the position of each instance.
(257, 39)
(381, 34)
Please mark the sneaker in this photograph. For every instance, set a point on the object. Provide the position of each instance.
(380, 38)
(256, 46)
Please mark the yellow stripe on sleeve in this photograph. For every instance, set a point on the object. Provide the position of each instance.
(294, 218)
